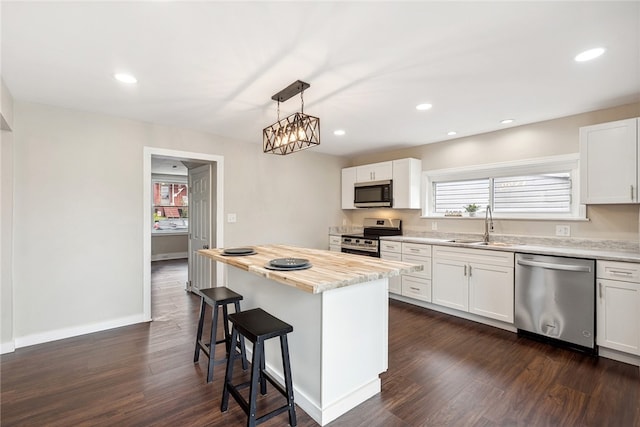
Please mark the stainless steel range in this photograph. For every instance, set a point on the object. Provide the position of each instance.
(368, 243)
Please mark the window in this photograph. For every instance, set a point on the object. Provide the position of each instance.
(170, 205)
(538, 188)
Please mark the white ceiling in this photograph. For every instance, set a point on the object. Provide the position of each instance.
(213, 66)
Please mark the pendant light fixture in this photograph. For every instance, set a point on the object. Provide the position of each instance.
(297, 132)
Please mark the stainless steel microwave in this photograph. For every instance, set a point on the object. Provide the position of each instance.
(373, 194)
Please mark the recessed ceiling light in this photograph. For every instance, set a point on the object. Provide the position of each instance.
(423, 107)
(125, 78)
(506, 121)
(451, 133)
(339, 132)
(590, 54)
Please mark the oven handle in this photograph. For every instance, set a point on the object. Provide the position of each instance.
(551, 266)
(357, 252)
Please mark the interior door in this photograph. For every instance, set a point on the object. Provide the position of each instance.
(201, 269)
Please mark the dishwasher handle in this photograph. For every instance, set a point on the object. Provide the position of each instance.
(552, 266)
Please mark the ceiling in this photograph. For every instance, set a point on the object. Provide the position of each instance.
(213, 66)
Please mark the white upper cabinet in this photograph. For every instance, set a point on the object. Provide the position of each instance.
(609, 159)
(406, 183)
(348, 181)
(374, 172)
(405, 174)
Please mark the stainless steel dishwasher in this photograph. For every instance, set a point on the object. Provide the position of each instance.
(555, 298)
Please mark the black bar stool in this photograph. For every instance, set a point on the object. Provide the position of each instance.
(258, 326)
(215, 298)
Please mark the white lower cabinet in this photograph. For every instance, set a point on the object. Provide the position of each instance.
(417, 288)
(474, 280)
(618, 308)
(393, 252)
(450, 284)
(491, 291)
(417, 285)
(335, 240)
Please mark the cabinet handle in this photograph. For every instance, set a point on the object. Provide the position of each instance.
(465, 270)
(620, 273)
(469, 271)
(414, 289)
(631, 186)
(600, 289)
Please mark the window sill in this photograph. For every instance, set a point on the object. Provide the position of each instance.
(169, 232)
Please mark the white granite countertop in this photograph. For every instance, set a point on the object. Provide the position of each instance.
(599, 254)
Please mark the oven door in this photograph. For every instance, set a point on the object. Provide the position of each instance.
(359, 252)
(376, 194)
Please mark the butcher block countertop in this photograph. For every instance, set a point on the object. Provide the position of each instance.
(330, 270)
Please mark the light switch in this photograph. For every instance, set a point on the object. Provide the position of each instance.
(231, 217)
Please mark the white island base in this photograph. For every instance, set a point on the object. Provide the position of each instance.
(338, 347)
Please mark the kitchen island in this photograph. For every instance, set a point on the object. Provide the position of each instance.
(339, 312)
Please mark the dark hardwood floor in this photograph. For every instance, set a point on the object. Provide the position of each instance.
(442, 371)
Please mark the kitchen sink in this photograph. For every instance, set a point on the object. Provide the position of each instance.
(491, 244)
(478, 242)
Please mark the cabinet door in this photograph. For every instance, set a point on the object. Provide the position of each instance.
(348, 181)
(609, 160)
(374, 172)
(450, 286)
(491, 291)
(406, 183)
(618, 315)
(395, 282)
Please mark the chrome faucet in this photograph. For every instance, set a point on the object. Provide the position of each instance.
(487, 227)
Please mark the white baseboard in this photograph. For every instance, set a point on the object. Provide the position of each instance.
(75, 331)
(333, 410)
(7, 347)
(169, 255)
(631, 359)
(456, 313)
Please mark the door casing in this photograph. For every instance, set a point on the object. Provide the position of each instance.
(147, 202)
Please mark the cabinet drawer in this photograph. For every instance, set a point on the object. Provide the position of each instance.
(424, 261)
(416, 249)
(474, 256)
(413, 287)
(625, 271)
(391, 256)
(335, 240)
(387, 246)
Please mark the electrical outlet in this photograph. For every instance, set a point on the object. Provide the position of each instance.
(434, 225)
(232, 217)
(563, 230)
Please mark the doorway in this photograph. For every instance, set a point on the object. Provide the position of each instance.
(216, 236)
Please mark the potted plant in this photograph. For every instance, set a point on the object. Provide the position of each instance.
(471, 209)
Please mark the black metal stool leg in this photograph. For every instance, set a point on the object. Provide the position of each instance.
(203, 307)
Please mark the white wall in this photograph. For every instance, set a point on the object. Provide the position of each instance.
(78, 258)
(6, 221)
